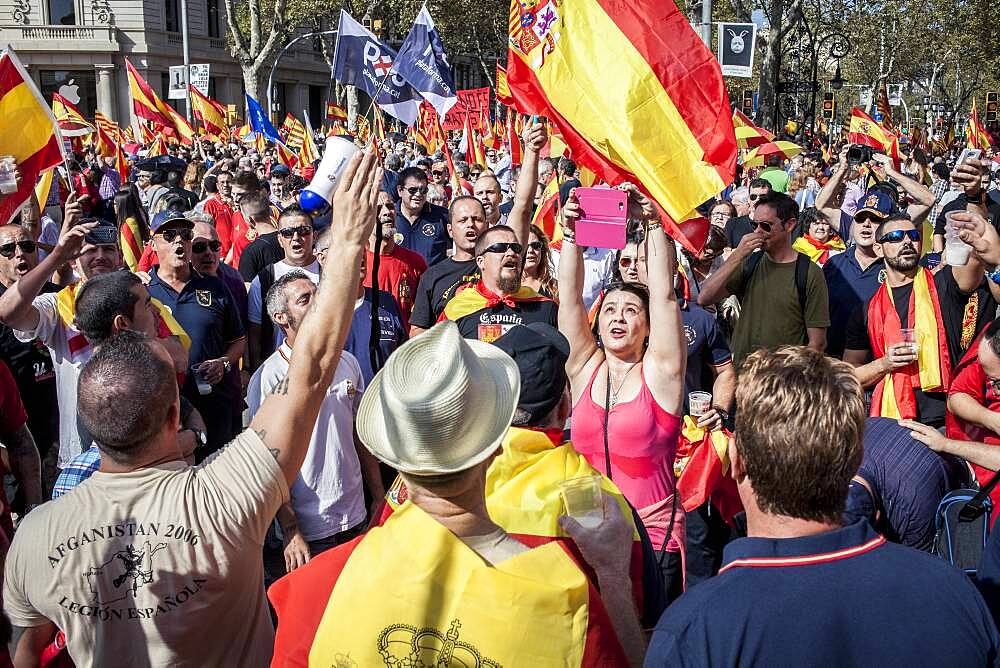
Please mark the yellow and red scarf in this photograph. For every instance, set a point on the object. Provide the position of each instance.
(893, 396)
(818, 251)
(702, 468)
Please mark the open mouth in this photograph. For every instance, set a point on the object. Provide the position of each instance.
(22, 267)
(179, 251)
(617, 332)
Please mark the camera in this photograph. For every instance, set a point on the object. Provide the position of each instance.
(858, 154)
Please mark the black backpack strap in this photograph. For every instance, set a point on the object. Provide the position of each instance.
(266, 277)
(801, 276)
(974, 508)
(747, 269)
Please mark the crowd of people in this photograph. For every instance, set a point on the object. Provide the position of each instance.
(240, 433)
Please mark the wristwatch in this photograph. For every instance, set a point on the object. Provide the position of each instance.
(979, 199)
(200, 437)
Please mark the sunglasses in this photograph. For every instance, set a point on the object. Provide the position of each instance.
(289, 232)
(535, 245)
(202, 246)
(171, 235)
(439, 173)
(754, 198)
(625, 261)
(26, 246)
(413, 190)
(896, 236)
(504, 246)
(761, 225)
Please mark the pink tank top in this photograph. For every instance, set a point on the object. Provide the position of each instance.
(642, 440)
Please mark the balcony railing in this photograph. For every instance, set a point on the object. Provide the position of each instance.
(59, 33)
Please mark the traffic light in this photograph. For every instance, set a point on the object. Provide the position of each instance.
(829, 106)
(748, 102)
(992, 103)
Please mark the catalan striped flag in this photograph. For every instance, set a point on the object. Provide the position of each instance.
(148, 105)
(308, 153)
(636, 93)
(146, 134)
(503, 88)
(110, 127)
(71, 121)
(132, 241)
(882, 104)
(211, 114)
(295, 132)
(28, 131)
(977, 136)
(336, 113)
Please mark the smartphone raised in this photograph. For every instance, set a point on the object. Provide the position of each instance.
(969, 154)
(603, 217)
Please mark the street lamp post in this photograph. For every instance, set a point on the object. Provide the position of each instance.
(277, 59)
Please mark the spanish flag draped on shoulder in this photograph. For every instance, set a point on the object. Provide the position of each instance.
(635, 92)
(28, 131)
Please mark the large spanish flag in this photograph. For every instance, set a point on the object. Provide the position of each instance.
(211, 114)
(864, 130)
(71, 121)
(148, 105)
(635, 92)
(28, 131)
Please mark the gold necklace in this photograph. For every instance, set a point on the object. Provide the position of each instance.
(614, 392)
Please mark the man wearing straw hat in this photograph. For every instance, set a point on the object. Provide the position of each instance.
(437, 412)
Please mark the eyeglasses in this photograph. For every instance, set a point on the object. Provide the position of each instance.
(896, 236)
(171, 235)
(504, 246)
(413, 190)
(535, 245)
(760, 224)
(289, 232)
(626, 261)
(26, 246)
(438, 173)
(202, 246)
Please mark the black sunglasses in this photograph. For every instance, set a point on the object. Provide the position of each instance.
(535, 245)
(27, 246)
(754, 198)
(896, 236)
(413, 190)
(171, 234)
(202, 246)
(760, 224)
(504, 246)
(439, 173)
(625, 261)
(289, 232)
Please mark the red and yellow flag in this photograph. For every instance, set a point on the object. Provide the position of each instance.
(514, 137)
(884, 108)
(977, 136)
(110, 127)
(475, 152)
(702, 468)
(295, 132)
(749, 135)
(636, 93)
(503, 88)
(211, 114)
(28, 131)
(308, 154)
(148, 105)
(336, 113)
(545, 212)
(71, 121)
(287, 157)
(158, 147)
(864, 130)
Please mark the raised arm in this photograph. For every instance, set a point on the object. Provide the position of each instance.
(16, 309)
(714, 289)
(573, 317)
(519, 218)
(922, 196)
(667, 348)
(827, 200)
(296, 400)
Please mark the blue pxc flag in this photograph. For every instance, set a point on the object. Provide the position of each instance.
(424, 64)
(259, 122)
(362, 60)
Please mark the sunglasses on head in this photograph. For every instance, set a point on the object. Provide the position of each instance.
(289, 232)
(26, 246)
(202, 246)
(896, 236)
(504, 246)
(171, 234)
(413, 190)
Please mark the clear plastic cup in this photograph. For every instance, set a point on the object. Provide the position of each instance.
(699, 403)
(956, 251)
(910, 336)
(8, 183)
(583, 499)
(204, 387)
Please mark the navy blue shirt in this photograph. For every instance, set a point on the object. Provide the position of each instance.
(391, 332)
(428, 234)
(706, 347)
(849, 287)
(908, 480)
(858, 601)
(206, 310)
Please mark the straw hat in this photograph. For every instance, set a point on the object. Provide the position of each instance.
(441, 404)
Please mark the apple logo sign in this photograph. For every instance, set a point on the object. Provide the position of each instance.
(71, 92)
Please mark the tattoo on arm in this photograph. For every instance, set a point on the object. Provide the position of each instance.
(262, 433)
(274, 452)
(281, 387)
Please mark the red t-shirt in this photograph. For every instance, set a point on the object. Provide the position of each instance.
(399, 273)
(243, 235)
(223, 215)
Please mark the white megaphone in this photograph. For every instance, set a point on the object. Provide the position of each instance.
(318, 196)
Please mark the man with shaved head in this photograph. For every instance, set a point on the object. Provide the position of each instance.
(487, 190)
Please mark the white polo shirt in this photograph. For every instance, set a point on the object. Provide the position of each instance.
(598, 268)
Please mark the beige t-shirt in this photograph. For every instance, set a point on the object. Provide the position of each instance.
(157, 567)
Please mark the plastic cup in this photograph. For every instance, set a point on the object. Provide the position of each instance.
(204, 387)
(699, 403)
(956, 251)
(910, 336)
(8, 183)
(583, 499)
